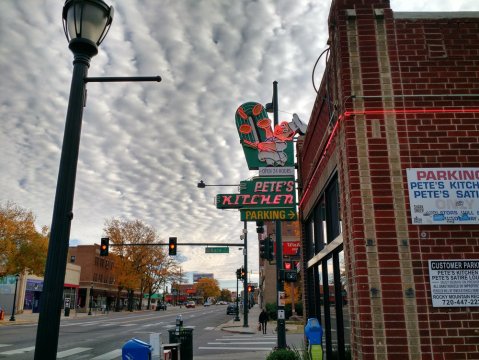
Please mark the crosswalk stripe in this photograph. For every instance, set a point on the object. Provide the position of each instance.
(3, 345)
(234, 348)
(18, 351)
(109, 355)
(69, 352)
(127, 325)
(243, 343)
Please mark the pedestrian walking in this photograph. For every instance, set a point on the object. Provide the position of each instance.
(263, 320)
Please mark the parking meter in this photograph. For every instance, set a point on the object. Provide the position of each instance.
(314, 334)
(179, 324)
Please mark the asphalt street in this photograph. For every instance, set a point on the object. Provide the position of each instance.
(102, 336)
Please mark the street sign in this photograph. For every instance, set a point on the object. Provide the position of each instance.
(288, 214)
(217, 250)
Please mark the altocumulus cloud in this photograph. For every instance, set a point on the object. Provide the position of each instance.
(145, 146)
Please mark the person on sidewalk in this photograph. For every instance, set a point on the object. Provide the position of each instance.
(263, 320)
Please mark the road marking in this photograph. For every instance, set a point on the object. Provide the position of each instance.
(209, 328)
(3, 345)
(18, 351)
(109, 355)
(233, 348)
(126, 325)
(73, 351)
(243, 343)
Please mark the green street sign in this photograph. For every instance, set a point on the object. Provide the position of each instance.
(287, 214)
(217, 250)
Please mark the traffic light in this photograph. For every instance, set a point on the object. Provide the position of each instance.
(250, 288)
(172, 246)
(262, 248)
(238, 274)
(259, 227)
(287, 266)
(104, 245)
(243, 273)
(269, 249)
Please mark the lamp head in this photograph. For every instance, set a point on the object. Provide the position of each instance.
(201, 184)
(86, 23)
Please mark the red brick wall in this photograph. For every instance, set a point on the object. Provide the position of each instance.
(383, 59)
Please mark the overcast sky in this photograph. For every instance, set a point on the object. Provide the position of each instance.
(145, 146)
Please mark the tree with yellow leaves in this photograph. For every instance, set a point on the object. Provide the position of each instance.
(22, 247)
(139, 264)
(207, 288)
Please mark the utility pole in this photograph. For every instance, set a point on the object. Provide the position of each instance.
(245, 283)
(281, 322)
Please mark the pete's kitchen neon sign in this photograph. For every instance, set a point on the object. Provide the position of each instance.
(259, 193)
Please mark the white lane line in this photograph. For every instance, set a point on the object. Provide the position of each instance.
(233, 348)
(3, 345)
(242, 343)
(70, 352)
(209, 328)
(18, 351)
(127, 325)
(109, 355)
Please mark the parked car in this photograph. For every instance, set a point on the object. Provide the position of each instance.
(231, 309)
(221, 303)
(190, 304)
(207, 304)
(161, 306)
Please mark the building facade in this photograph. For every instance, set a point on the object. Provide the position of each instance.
(389, 179)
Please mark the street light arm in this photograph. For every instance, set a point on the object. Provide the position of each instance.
(202, 185)
(122, 78)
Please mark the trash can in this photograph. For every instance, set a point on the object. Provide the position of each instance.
(135, 349)
(185, 337)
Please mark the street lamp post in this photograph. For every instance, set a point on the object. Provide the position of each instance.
(91, 298)
(86, 23)
(245, 283)
(12, 318)
(237, 299)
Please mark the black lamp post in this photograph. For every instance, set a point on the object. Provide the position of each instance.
(12, 318)
(91, 298)
(86, 23)
(237, 300)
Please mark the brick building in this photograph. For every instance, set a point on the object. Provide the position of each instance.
(97, 282)
(400, 91)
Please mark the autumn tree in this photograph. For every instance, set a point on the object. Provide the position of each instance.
(140, 266)
(207, 288)
(225, 295)
(22, 247)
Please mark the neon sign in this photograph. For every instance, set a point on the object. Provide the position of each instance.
(262, 145)
(261, 193)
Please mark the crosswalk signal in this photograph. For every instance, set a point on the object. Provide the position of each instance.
(104, 245)
(172, 246)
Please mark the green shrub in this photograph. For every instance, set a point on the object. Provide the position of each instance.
(271, 310)
(283, 354)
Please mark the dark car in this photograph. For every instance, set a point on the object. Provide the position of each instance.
(231, 309)
(161, 306)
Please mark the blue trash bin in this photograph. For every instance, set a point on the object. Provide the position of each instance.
(313, 331)
(135, 349)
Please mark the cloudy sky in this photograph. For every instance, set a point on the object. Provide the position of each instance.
(145, 146)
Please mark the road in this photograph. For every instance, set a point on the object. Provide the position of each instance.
(101, 337)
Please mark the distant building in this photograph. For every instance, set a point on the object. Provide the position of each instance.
(199, 276)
